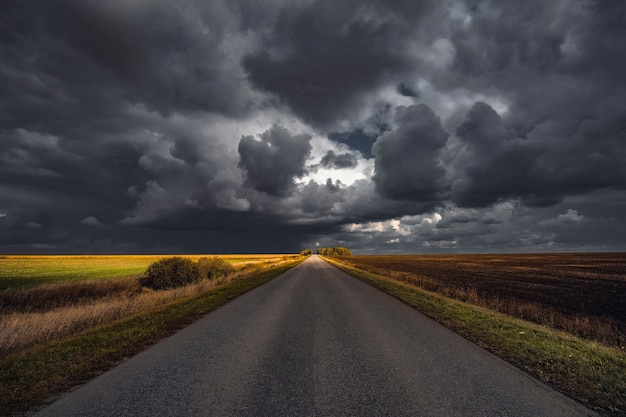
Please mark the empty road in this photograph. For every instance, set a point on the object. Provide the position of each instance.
(314, 342)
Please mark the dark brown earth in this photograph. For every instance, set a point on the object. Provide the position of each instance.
(591, 284)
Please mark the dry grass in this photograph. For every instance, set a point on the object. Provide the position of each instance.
(33, 376)
(47, 296)
(36, 315)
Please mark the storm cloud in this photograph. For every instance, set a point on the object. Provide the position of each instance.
(384, 126)
(274, 161)
(343, 160)
(407, 165)
(322, 59)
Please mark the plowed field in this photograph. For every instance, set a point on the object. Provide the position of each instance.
(590, 284)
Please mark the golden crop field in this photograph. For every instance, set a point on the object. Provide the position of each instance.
(29, 270)
(43, 298)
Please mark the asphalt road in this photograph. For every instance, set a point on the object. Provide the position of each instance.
(314, 342)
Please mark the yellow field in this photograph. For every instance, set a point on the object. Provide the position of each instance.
(28, 270)
(62, 295)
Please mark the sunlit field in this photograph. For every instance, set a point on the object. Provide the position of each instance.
(66, 322)
(43, 298)
(25, 270)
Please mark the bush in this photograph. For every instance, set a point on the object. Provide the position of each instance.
(306, 252)
(214, 267)
(171, 273)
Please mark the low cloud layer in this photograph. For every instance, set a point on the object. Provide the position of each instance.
(384, 126)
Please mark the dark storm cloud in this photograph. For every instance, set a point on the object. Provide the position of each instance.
(323, 58)
(342, 160)
(406, 90)
(321, 199)
(71, 67)
(495, 163)
(92, 99)
(558, 69)
(45, 165)
(167, 57)
(119, 125)
(272, 163)
(407, 166)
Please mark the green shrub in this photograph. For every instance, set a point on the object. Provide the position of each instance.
(306, 252)
(214, 267)
(171, 273)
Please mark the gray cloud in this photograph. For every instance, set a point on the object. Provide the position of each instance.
(407, 164)
(90, 221)
(495, 163)
(168, 58)
(342, 160)
(323, 58)
(274, 161)
(406, 90)
(497, 125)
(321, 199)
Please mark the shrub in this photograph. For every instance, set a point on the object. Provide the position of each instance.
(306, 252)
(171, 273)
(214, 267)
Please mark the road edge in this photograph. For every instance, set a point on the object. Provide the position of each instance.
(33, 378)
(589, 374)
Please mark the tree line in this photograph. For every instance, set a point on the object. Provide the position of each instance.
(334, 251)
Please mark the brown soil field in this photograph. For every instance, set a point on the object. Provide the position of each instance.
(574, 284)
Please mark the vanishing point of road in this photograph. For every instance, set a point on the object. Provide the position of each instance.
(315, 342)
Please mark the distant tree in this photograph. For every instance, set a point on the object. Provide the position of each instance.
(343, 251)
(171, 273)
(214, 267)
(306, 252)
(334, 251)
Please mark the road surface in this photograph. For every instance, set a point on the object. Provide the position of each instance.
(314, 342)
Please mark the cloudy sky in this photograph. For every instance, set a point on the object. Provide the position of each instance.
(225, 126)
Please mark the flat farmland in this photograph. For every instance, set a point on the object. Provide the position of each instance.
(43, 298)
(583, 293)
(18, 271)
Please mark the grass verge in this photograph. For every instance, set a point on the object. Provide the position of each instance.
(30, 378)
(592, 374)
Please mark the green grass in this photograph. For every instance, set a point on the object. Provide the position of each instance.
(594, 375)
(29, 378)
(29, 271)
(25, 271)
